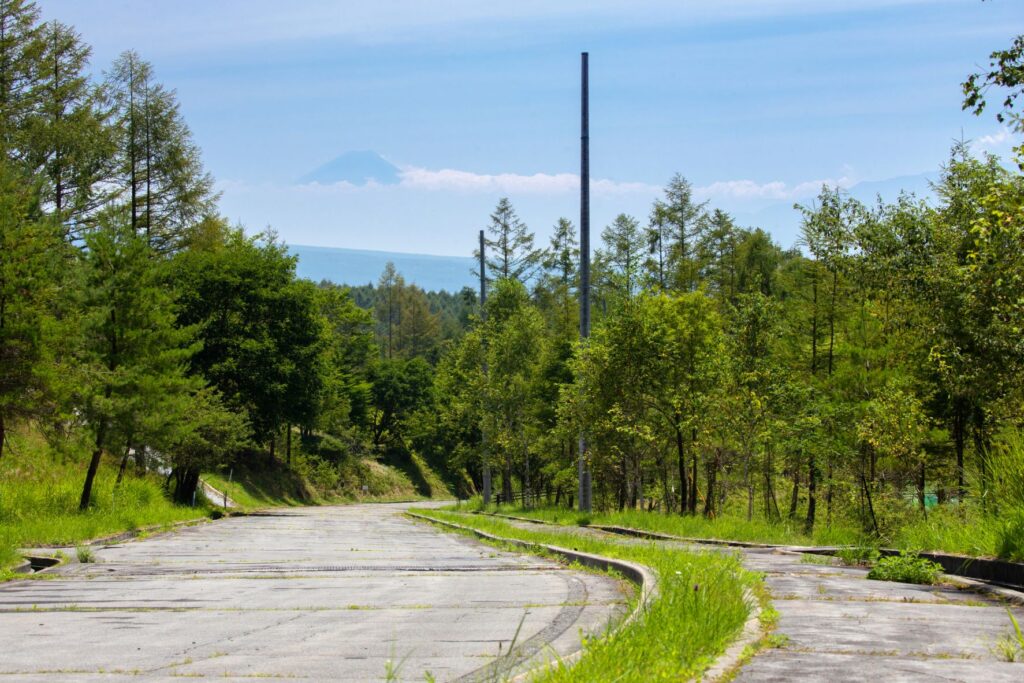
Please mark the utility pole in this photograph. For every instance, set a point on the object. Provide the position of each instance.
(585, 489)
(483, 317)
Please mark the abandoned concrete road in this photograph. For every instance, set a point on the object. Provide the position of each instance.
(330, 593)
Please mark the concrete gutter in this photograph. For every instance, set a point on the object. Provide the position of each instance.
(642, 576)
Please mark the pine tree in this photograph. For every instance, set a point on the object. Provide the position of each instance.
(30, 262)
(160, 171)
(510, 251)
(561, 259)
(20, 51)
(70, 142)
(624, 249)
(684, 222)
(132, 379)
(388, 307)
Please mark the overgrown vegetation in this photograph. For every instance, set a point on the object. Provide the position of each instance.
(702, 605)
(39, 496)
(140, 333)
(906, 568)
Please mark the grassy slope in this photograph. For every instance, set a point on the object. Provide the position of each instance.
(700, 610)
(319, 481)
(39, 492)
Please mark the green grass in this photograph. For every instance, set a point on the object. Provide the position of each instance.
(727, 527)
(270, 484)
(39, 493)
(950, 529)
(324, 471)
(701, 608)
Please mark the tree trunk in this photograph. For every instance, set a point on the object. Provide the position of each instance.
(795, 497)
(3, 435)
(94, 464)
(750, 486)
(140, 460)
(288, 444)
(832, 320)
(186, 481)
(666, 492)
(812, 489)
(828, 496)
(692, 507)
(681, 453)
(709, 495)
(871, 506)
(814, 321)
(124, 463)
(506, 480)
(959, 420)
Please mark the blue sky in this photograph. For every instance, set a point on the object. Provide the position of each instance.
(757, 102)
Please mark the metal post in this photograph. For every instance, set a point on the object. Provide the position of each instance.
(585, 488)
(483, 316)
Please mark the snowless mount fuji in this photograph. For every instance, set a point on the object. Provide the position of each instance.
(359, 266)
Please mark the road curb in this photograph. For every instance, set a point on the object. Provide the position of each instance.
(722, 667)
(642, 576)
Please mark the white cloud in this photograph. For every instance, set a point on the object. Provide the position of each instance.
(513, 183)
(551, 184)
(1001, 138)
(751, 190)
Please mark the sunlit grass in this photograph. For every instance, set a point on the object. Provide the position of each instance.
(728, 527)
(39, 495)
(952, 529)
(702, 606)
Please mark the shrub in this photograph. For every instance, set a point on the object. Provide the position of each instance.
(906, 568)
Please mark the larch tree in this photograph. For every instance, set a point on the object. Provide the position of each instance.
(509, 246)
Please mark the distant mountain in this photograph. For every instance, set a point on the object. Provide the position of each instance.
(359, 267)
(357, 168)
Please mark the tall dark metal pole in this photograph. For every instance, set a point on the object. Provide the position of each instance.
(585, 490)
(483, 316)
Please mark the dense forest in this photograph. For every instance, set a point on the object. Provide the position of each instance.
(870, 373)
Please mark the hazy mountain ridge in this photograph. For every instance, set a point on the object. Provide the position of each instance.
(360, 266)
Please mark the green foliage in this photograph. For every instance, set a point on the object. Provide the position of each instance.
(84, 554)
(30, 261)
(39, 494)
(906, 568)
(261, 332)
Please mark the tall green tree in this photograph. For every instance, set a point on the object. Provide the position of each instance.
(30, 267)
(509, 246)
(70, 141)
(20, 50)
(132, 355)
(159, 169)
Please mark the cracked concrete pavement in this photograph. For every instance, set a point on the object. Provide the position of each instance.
(835, 625)
(325, 593)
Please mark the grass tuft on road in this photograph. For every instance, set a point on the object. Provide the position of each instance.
(701, 607)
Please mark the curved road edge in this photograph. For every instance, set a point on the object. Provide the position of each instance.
(642, 576)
